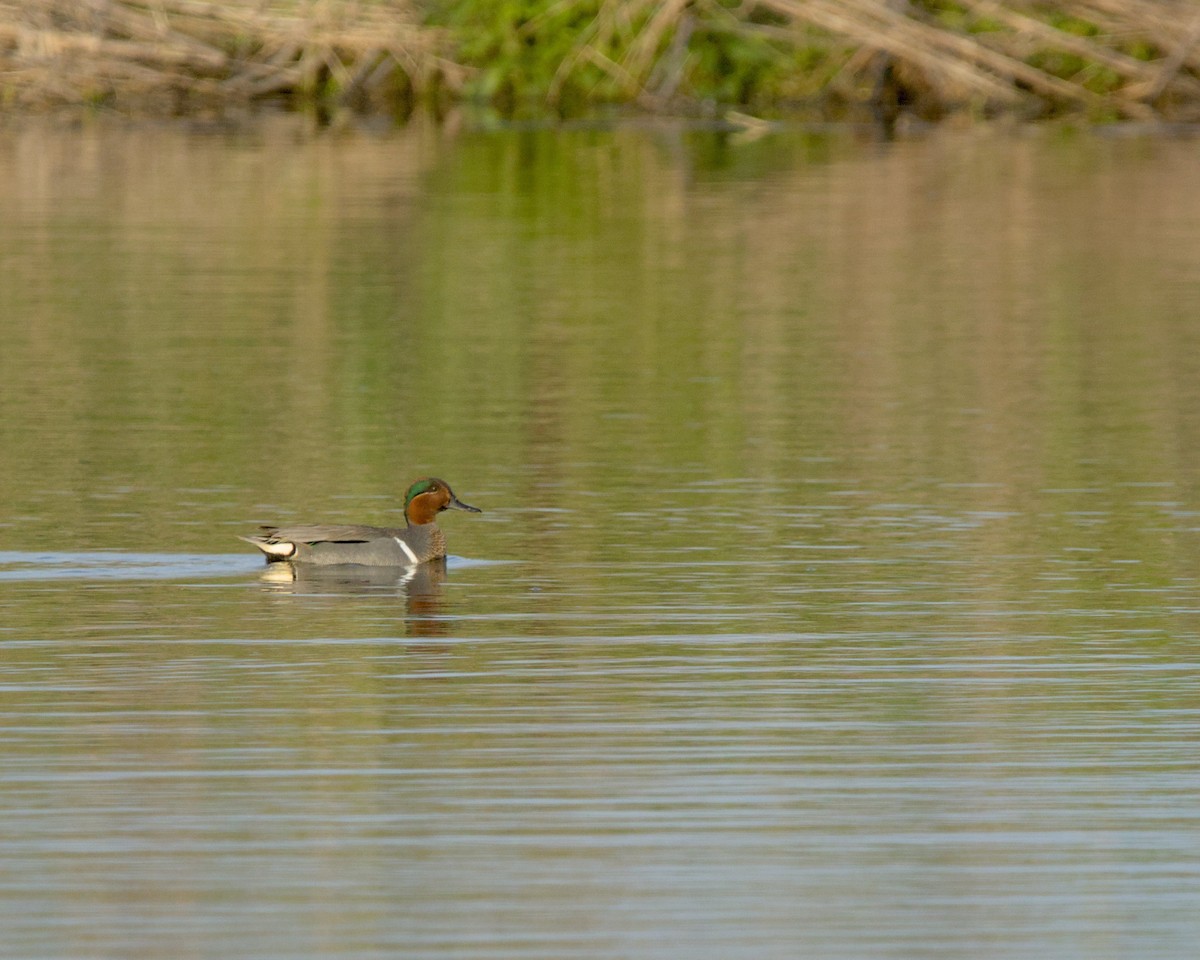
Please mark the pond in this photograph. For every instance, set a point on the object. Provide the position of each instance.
(836, 591)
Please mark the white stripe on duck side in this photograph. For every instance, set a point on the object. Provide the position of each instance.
(407, 549)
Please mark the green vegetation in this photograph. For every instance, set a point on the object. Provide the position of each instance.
(1121, 59)
(528, 56)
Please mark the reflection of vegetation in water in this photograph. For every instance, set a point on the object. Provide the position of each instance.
(618, 345)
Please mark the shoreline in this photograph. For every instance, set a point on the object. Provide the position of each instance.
(1092, 61)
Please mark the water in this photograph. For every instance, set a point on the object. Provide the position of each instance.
(836, 592)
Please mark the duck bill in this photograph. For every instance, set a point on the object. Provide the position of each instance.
(459, 505)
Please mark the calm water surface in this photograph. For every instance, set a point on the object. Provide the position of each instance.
(837, 592)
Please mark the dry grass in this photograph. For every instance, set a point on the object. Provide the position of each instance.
(183, 54)
(1133, 59)
(998, 54)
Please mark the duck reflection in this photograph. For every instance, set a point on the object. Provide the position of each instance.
(421, 587)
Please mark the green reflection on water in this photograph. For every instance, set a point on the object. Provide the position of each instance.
(629, 346)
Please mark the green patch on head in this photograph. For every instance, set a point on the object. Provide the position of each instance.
(418, 488)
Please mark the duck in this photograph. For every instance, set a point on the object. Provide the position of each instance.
(419, 542)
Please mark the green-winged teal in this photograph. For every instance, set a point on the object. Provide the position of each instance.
(407, 546)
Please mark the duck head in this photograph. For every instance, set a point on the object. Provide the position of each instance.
(428, 497)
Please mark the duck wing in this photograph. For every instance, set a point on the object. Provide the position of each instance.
(326, 533)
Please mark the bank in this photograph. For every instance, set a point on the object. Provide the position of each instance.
(1099, 60)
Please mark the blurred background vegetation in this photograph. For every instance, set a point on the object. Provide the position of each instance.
(748, 60)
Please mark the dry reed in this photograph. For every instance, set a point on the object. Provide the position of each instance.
(1131, 59)
(1135, 59)
(184, 54)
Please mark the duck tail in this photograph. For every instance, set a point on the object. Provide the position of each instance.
(275, 550)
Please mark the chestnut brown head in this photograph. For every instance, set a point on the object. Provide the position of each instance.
(428, 497)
